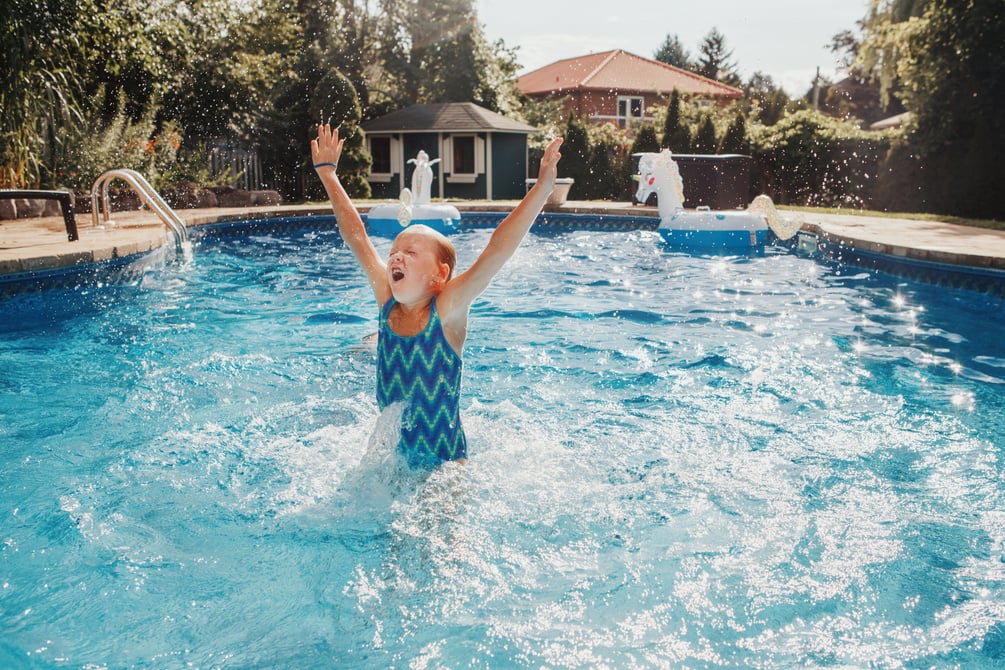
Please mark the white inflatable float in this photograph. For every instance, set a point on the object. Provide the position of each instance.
(414, 207)
(703, 227)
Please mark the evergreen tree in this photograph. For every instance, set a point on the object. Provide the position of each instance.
(645, 140)
(769, 98)
(676, 136)
(735, 139)
(672, 52)
(704, 138)
(576, 157)
(603, 181)
(714, 59)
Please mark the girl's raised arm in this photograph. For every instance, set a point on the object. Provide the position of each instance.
(325, 153)
(462, 290)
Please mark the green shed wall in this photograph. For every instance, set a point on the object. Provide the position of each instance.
(509, 166)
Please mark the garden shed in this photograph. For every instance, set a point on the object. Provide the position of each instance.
(482, 154)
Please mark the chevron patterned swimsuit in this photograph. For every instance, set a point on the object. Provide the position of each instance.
(424, 372)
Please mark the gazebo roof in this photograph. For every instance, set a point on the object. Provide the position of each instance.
(454, 117)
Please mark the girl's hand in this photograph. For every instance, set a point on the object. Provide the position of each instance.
(326, 149)
(548, 171)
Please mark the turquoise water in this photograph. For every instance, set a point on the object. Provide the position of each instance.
(676, 461)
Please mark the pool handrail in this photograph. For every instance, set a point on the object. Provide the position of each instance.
(146, 192)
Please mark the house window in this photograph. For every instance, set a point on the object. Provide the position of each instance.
(463, 154)
(630, 110)
(380, 151)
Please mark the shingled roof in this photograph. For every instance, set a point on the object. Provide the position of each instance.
(453, 117)
(621, 71)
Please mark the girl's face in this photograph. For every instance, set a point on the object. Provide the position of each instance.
(414, 270)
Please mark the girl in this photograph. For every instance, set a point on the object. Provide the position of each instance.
(424, 307)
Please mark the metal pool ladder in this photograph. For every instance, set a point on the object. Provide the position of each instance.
(150, 198)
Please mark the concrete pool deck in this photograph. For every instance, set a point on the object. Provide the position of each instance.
(37, 245)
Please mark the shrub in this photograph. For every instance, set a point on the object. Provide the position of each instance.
(704, 139)
(335, 97)
(676, 135)
(576, 157)
(94, 146)
(811, 159)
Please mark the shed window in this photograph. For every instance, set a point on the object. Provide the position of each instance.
(380, 151)
(463, 158)
(464, 154)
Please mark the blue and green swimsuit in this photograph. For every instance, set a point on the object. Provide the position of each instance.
(424, 372)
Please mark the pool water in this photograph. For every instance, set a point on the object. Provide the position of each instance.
(676, 461)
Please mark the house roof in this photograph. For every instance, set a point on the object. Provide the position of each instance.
(451, 117)
(619, 70)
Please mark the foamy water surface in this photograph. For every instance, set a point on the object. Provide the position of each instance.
(676, 461)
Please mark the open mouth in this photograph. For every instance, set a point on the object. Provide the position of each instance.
(397, 274)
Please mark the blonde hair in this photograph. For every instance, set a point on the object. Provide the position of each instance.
(447, 253)
(445, 248)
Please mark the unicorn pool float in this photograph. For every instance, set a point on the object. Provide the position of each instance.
(413, 206)
(703, 227)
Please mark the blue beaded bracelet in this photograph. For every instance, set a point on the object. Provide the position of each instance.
(317, 165)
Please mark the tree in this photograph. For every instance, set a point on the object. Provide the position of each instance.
(59, 54)
(345, 33)
(768, 99)
(335, 95)
(808, 158)
(885, 30)
(714, 59)
(946, 64)
(576, 156)
(676, 135)
(436, 51)
(645, 140)
(735, 139)
(704, 138)
(672, 52)
(602, 180)
(226, 88)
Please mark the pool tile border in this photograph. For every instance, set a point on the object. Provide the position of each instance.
(971, 271)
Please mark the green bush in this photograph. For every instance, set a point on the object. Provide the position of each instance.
(576, 157)
(811, 159)
(88, 149)
(676, 134)
(335, 97)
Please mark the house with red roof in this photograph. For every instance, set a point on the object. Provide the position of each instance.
(617, 86)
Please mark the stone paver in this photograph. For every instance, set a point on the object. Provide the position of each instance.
(909, 238)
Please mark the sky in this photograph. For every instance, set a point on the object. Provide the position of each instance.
(786, 39)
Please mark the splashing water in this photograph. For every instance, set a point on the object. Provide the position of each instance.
(676, 461)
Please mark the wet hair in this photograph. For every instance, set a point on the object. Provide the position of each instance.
(445, 252)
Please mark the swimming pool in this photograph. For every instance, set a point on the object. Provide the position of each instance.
(680, 461)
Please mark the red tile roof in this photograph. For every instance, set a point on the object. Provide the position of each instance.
(619, 70)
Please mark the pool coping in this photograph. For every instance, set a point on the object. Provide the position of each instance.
(38, 246)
